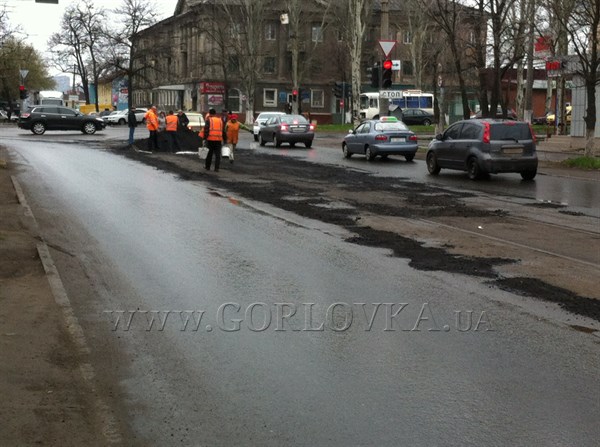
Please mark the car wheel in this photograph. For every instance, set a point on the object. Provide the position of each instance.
(345, 151)
(409, 157)
(432, 164)
(262, 141)
(276, 141)
(473, 169)
(38, 128)
(369, 154)
(426, 122)
(255, 137)
(308, 144)
(89, 128)
(529, 175)
(121, 122)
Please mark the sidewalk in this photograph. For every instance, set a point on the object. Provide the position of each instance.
(44, 397)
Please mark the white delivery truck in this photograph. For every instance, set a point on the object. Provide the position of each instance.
(50, 97)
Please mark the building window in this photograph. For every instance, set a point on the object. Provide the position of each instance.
(316, 33)
(407, 68)
(270, 31)
(234, 103)
(234, 64)
(407, 37)
(270, 97)
(269, 65)
(317, 98)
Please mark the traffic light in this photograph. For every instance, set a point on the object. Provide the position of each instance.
(386, 74)
(375, 75)
(294, 95)
(22, 92)
(342, 89)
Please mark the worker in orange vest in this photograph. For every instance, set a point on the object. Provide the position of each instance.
(214, 134)
(232, 129)
(152, 126)
(172, 122)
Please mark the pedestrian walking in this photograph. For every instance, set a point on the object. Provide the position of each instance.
(162, 121)
(171, 127)
(183, 120)
(232, 130)
(214, 131)
(132, 123)
(152, 126)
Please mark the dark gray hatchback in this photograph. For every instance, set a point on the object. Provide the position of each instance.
(485, 146)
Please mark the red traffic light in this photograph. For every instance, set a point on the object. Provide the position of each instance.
(294, 92)
(387, 64)
(21, 88)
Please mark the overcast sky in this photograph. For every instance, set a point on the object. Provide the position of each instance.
(40, 20)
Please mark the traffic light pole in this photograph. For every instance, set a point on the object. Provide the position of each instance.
(384, 103)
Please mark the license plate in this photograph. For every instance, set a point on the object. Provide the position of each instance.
(513, 150)
(297, 129)
(398, 140)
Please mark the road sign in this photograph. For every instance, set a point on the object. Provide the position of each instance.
(387, 46)
(390, 94)
(395, 65)
(24, 73)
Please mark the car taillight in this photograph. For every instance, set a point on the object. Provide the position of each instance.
(380, 138)
(312, 127)
(24, 115)
(486, 132)
(532, 134)
(284, 128)
(412, 138)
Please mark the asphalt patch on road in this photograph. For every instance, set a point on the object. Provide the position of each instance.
(534, 288)
(301, 187)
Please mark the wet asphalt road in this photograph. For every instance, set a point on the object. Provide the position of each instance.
(133, 239)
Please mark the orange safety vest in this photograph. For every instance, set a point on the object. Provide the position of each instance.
(233, 131)
(215, 130)
(171, 123)
(151, 120)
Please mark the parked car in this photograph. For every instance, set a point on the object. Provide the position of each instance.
(384, 136)
(551, 117)
(417, 116)
(196, 121)
(3, 116)
(261, 119)
(485, 146)
(511, 114)
(290, 129)
(118, 117)
(38, 119)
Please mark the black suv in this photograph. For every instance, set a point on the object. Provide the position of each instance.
(39, 119)
(485, 146)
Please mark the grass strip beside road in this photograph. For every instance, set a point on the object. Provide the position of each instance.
(583, 162)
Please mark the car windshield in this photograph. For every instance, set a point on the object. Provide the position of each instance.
(293, 119)
(386, 127)
(513, 131)
(266, 116)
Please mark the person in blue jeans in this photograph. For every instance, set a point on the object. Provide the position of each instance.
(132, 123)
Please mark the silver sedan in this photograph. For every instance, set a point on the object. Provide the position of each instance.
(383, 137)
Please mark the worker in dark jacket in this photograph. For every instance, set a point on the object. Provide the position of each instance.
(183, 120)
(132, 123)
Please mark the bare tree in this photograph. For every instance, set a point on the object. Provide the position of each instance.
(449, 17)
(122, 54)
(79, 44)
(298, 11)
(583, 27)
(353, 33)
(247, 19)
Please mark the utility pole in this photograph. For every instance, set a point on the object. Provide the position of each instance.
(384, 103)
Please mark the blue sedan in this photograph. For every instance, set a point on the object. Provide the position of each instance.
(383, 137)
